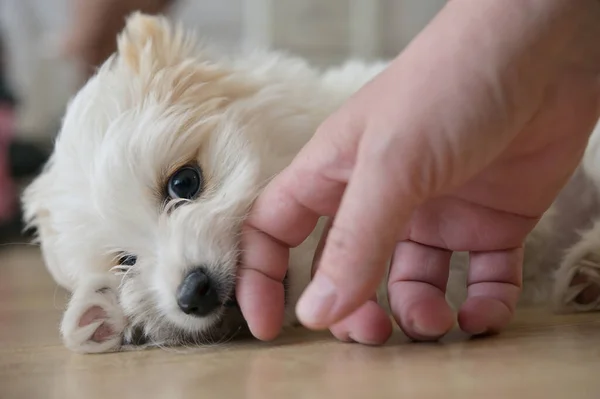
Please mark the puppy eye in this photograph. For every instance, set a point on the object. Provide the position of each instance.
(127, 260)
(186, 183)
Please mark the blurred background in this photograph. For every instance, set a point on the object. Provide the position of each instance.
(37, 80)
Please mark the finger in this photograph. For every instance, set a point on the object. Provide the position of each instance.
(416, 290)
(369, 325)
(360, 243)
(312, 186)
(431, 153)
(265, 254)
(414, 147)
(494, 283)
(261, 296)
(282, 217)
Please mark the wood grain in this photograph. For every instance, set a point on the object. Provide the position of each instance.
(539, 356)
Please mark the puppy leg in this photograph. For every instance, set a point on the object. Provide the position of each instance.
(577, 281)
(94, 321)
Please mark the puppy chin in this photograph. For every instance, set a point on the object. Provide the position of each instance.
(177, 328)
(191, 324)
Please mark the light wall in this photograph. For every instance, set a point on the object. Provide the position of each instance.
(324, 31)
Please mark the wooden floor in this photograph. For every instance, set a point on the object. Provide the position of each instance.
(540, 356)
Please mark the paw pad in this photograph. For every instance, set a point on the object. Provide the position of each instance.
(93, 321)
(104, 331)
(583, 291)
(588, 291)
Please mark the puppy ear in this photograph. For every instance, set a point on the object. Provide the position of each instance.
(153, 42)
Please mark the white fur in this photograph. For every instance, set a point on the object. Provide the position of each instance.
(96, 291)
(159, 103)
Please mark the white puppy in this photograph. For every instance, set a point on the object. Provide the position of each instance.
(159, 159)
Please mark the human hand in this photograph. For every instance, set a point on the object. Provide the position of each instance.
(460, 145)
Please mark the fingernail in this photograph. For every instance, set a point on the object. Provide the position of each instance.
(422, 332)
(425, 333)
(315, 305)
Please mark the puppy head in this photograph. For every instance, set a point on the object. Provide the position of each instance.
(152, 175)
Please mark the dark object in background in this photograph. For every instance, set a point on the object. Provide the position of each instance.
(25, 159)
(5, 95)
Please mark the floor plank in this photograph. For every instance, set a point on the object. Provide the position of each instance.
(539, 356)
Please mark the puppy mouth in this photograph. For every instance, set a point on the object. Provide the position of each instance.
(230, 326)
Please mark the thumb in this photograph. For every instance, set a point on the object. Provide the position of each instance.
(283, 216)
(446, 115)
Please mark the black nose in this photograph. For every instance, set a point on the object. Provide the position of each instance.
(196, 295)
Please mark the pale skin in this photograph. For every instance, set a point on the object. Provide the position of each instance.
(461, 144)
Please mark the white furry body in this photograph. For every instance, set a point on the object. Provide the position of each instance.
(161, 103)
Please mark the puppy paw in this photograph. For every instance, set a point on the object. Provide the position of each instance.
(577, 284)
(94, 321)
